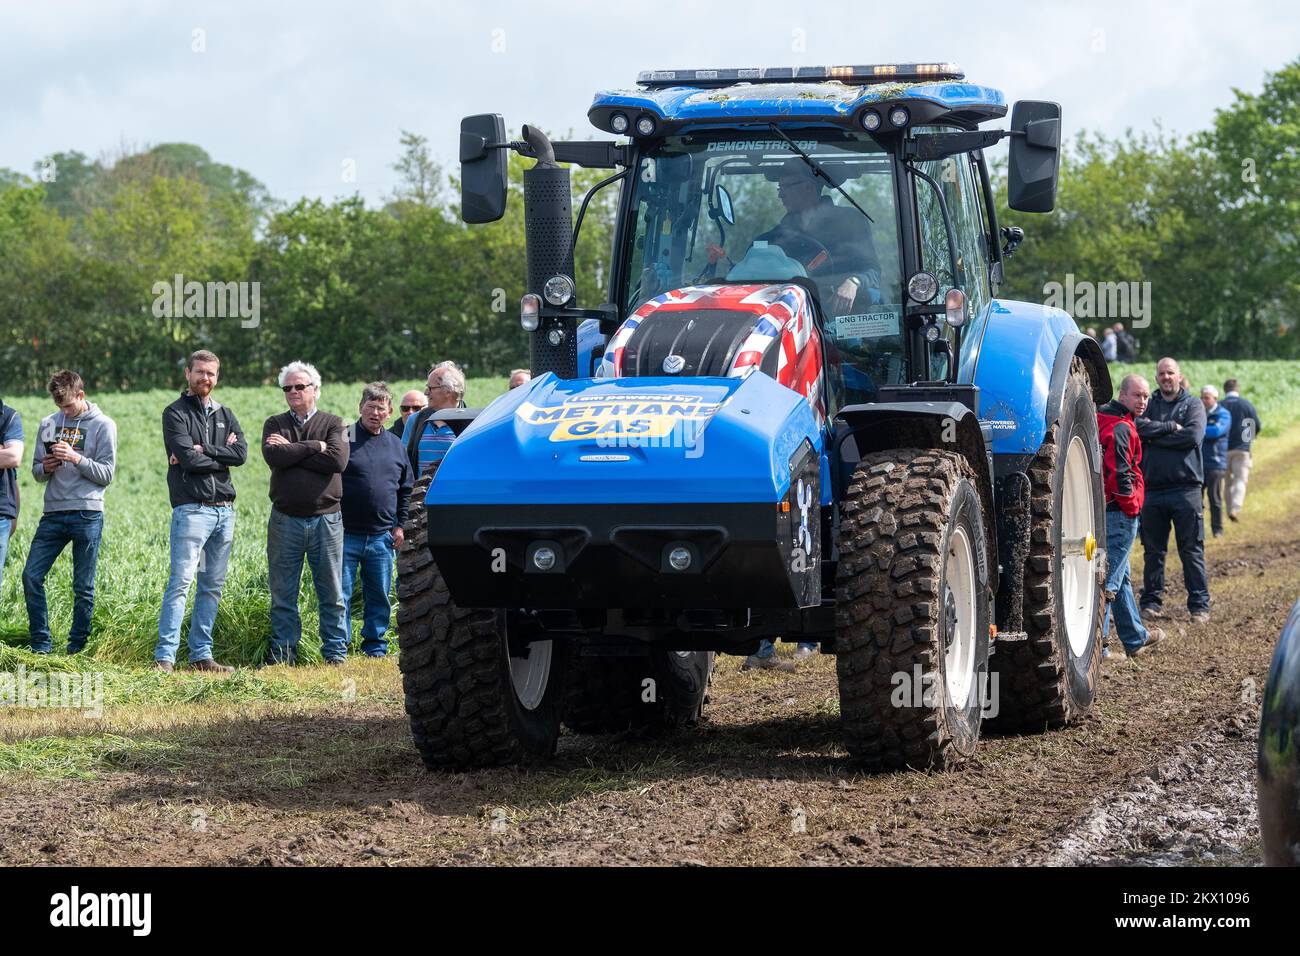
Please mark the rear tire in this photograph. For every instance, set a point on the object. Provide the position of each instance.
(1050, 680)
(471, 703)
(913, 594)
(611, 694)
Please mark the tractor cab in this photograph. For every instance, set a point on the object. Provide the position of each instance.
(728, 210)
(865, 186)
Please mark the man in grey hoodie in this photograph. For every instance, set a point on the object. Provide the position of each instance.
(75, 462)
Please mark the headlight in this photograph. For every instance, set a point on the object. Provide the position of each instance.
(871, 121)
(558, 290)
(922, 287)
(555, 336)
(618, 122)
(530, 307)
(954, 308)
(899, 116)
(645, 126)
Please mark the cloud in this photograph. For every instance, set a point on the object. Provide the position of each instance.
(289, 91)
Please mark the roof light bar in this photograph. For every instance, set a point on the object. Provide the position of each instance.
(868, 73)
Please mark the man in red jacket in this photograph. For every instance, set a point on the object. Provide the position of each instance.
(1121, 456)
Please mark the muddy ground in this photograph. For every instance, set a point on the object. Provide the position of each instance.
(1161, 773)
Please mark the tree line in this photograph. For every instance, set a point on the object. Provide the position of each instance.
(1211, 221)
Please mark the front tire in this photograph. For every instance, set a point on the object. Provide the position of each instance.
(475, 697)
(912, 614)
(1050, 680)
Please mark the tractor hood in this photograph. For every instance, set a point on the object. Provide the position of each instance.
(661, 439)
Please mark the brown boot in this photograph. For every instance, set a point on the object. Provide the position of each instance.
(211, 667)
(165, 666)
(1154, 636)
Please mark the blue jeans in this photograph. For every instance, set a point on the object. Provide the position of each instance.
(320, 540)
(4, 549)
(1121, 532)
(84, 530)
(201, 536)
(373, 553)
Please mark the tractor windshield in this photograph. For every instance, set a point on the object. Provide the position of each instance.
(727, 206)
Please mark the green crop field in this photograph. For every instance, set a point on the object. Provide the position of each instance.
(1273, 387)
(133, 559)
(133, 562)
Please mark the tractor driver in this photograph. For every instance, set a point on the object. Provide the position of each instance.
(833, 242)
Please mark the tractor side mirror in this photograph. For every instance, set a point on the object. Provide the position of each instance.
(724, 205)
(482, 168)
(1035, 160)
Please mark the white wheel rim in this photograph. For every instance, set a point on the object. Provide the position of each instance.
(959, 619)
(1079, 549)
(530, 674)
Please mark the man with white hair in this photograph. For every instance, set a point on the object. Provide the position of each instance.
(427, 438)
(307, 450)
(520, 376)
(1214, 453)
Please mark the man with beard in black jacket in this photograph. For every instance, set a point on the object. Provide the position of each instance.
(203, 442)
(1172, 431)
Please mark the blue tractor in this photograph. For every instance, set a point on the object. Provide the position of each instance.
(803, 414)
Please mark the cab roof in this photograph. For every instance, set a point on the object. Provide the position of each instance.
(670, 100)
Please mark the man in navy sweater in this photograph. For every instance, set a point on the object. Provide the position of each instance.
(376, 487)
(1245, 426)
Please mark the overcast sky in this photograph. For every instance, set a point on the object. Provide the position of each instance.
(295, 91)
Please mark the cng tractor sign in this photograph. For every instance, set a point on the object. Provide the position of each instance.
(621, 418)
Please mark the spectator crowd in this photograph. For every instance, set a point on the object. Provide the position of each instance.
(339, 496)
(1164, 453)
(340, 490)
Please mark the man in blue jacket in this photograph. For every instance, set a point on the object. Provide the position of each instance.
(1214, 453)
(376, 489)
(1172, 431)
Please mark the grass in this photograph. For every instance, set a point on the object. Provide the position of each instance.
(133, 560)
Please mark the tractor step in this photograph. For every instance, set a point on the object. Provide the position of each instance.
(1007, 637)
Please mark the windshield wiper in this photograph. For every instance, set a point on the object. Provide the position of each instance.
(816, 168)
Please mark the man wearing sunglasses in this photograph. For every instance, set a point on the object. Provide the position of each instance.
(307, 450)
(412, 402)
(428, 439)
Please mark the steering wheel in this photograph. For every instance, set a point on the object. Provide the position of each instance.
(825, 262)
